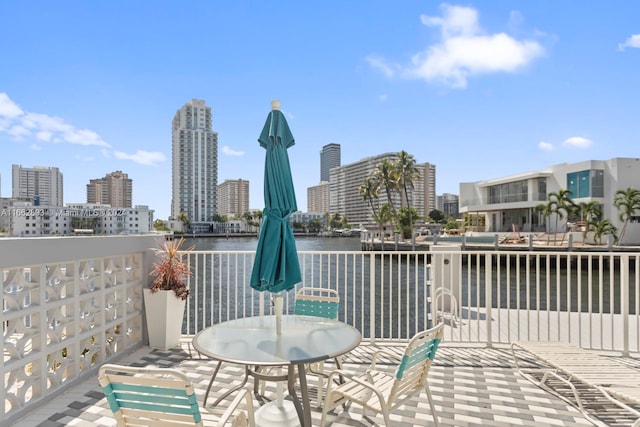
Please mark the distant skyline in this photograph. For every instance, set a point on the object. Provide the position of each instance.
(481, 89)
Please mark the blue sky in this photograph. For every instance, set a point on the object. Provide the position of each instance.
(481, 89)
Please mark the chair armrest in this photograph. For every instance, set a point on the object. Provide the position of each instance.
(241, 395)
(384, 352)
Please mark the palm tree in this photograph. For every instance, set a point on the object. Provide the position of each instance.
(369, 191)
(184, 219)
(545, 210)
(627, 202)
(560, 204)
(601, 228)
(383, 216)
(589, 212)
(406, 172)
(386, 175)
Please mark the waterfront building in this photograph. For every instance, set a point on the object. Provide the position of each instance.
(318, 198)
(115, 190)
(449, 204)
(194, 159)
(233, 197)
(306, 218)
(41, 184)
(510, 202)
(345, 182)
(329, 159)
(132, 220)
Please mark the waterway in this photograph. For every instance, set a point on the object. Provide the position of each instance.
(311, 243)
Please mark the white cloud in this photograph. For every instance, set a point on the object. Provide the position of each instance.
(577, 142)
(149, 158)
(229, 152)
(383, 97)
(545, 146)
(18, 132)
(8, 108)
(20, 124)
(633, 41)
(463, 51)
(380, 64)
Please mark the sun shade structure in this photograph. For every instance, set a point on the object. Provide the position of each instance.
(276, 266)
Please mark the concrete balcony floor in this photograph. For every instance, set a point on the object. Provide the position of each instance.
(471, 386)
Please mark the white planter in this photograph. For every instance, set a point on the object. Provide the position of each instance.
(164, 313)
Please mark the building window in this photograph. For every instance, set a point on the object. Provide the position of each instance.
(587, 183)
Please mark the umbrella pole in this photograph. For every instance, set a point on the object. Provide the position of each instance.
(277, 307)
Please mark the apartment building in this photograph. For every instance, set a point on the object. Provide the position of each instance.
(233, 197)
(41, 184)
(194, 159)
(115, 190)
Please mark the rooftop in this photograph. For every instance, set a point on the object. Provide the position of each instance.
(471, 386)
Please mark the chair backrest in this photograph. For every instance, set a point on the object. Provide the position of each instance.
(149, 396)
(319, 302)
(413, 369)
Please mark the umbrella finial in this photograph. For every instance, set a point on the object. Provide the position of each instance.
(275, 104)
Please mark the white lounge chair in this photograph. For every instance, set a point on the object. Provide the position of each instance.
(164, 397)
(382, 393)
(569, 364)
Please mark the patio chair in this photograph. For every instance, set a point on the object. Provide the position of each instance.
(162, 396)
(381, 392)
(441, 310)
(317, 302)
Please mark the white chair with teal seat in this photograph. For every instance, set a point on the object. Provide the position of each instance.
(318, 302)
(315, 302)
(381, 392)
(164, 397)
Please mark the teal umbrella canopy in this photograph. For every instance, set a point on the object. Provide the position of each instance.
(276, 267)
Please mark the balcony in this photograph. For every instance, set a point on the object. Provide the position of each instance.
(74, 303)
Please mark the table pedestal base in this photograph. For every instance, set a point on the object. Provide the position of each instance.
(270, 414)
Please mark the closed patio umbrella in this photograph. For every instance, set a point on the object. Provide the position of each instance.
(276, 267)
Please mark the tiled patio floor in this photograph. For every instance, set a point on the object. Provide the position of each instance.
(470, 386)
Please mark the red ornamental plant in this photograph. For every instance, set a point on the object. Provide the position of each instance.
(170, 270)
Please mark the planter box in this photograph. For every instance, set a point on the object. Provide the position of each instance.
(164, 313)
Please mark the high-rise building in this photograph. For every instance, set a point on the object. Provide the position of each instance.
(194, 165)
(115, 189)
(318, 198)
(329, 158)
(233, 197)
(345, 182)
(425, 189)
(41, 184)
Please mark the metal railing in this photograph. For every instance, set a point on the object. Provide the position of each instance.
(71, 304)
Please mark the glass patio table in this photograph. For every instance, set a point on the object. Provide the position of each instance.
(253, 342)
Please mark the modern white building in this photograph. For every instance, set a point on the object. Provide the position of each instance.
(233, 197)
(194, 165)
(510, 202)
(41, 184)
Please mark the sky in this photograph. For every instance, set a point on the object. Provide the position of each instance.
(481, 89)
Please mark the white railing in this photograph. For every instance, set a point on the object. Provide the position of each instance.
(384, 294)
(591, 299)
(71, 304)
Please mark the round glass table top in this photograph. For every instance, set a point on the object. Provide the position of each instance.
(254, 341)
